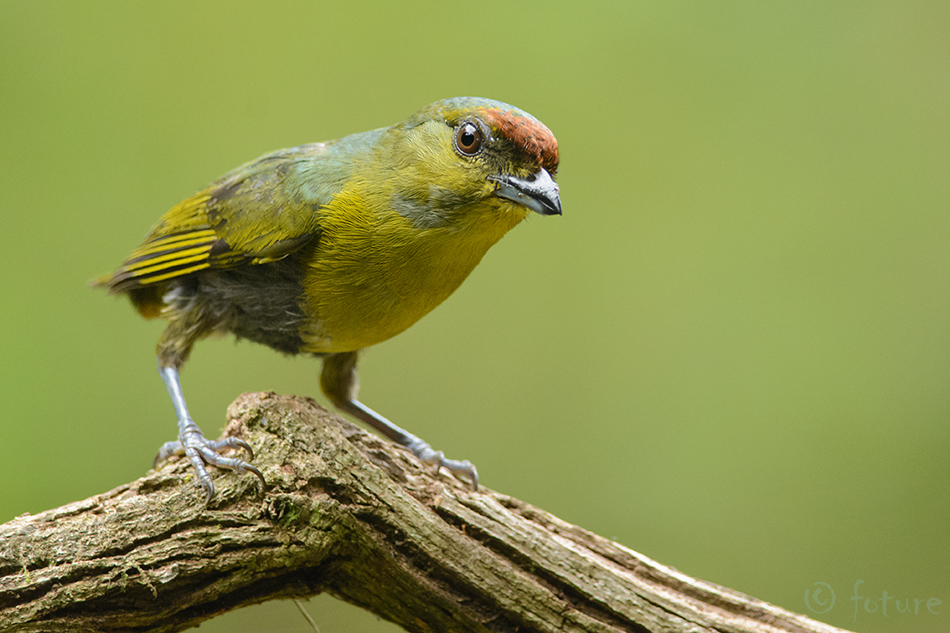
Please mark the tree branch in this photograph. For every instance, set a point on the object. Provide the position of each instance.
(350, 514)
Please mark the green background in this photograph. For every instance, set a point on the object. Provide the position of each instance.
(732, 352)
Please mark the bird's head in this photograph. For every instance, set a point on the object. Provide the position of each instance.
(473, 159)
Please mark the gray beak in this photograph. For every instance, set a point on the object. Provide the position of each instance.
(540, 194)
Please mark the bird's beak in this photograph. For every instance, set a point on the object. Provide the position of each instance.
(540, 194)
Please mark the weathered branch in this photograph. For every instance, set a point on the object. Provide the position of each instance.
(350, 514)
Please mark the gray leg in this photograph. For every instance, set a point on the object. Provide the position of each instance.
(421, 449)
(340, 384)
(192, 442)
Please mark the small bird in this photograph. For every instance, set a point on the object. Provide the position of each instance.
(328, 248)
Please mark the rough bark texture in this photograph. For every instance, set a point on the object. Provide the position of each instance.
(350, 514)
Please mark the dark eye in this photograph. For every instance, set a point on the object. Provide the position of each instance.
(468, 139)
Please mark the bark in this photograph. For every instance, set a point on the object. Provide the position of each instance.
(348, 513)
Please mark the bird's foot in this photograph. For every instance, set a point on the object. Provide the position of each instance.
(463, 469)
(201, 452)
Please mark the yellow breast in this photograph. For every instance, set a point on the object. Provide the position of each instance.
(374, 273)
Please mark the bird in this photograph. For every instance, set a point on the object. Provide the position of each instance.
(329, 248)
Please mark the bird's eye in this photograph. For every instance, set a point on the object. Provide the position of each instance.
(468, 139)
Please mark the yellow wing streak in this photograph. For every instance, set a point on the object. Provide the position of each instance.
(173, 274)
(165, 257)
(151, 264)
(176, 241)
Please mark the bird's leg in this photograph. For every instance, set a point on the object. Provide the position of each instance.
(340, 383)
(172, 351)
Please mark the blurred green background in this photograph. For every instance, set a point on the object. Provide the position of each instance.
(732, 352)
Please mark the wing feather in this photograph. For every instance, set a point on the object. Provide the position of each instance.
(256, 214)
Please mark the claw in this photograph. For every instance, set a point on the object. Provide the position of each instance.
(463, 469)
(191, 441)
(201, 452)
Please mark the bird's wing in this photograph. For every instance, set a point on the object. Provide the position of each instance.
(258, 213)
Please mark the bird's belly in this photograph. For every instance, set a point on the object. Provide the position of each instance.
(358, 302)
